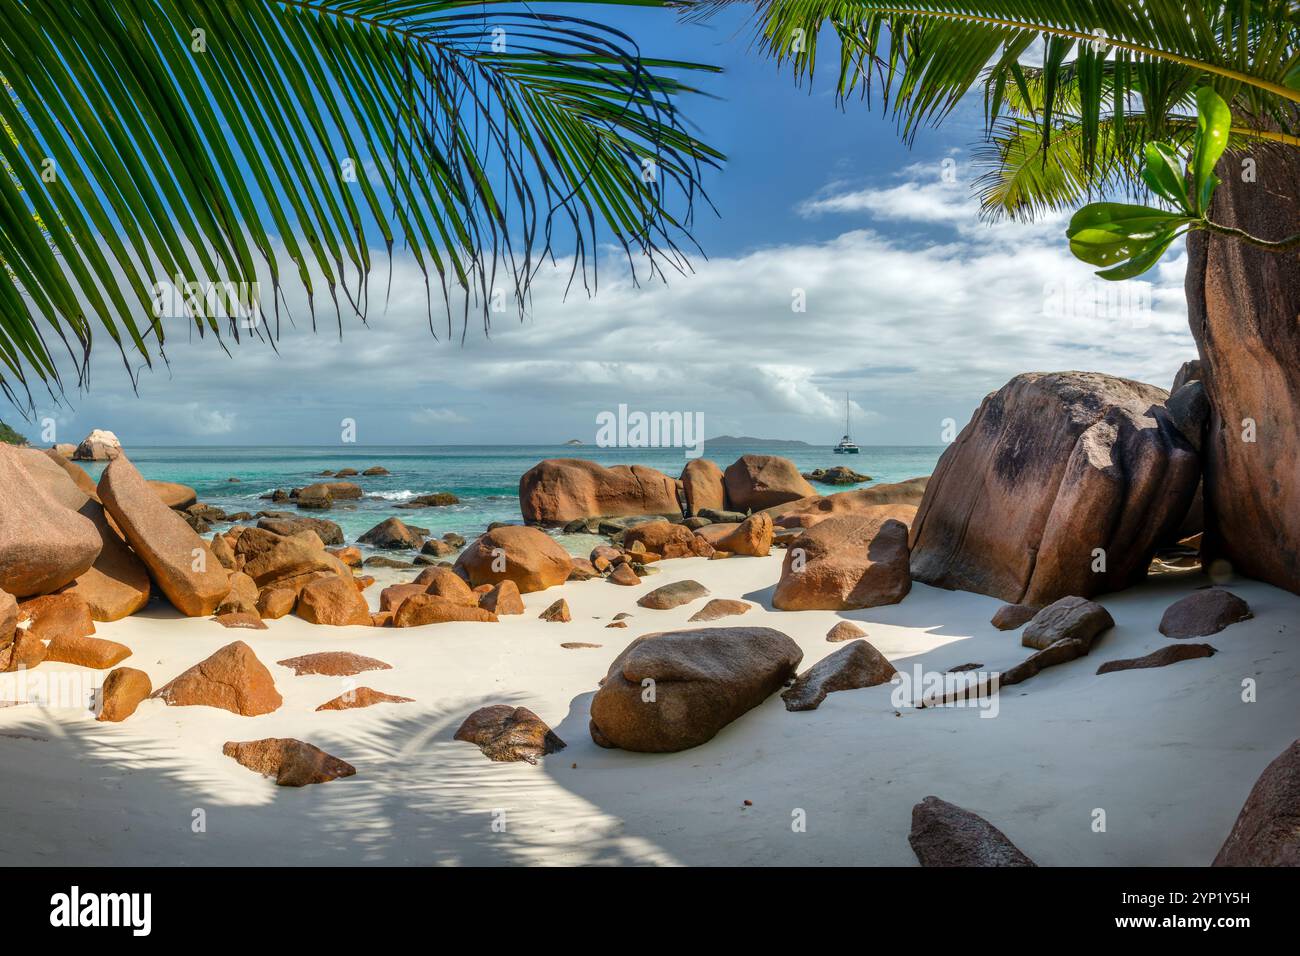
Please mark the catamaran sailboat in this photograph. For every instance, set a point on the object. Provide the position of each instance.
(846, 446)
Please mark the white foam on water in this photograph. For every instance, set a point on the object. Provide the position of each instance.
(402, 495)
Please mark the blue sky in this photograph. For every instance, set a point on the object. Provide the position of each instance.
(912, 305)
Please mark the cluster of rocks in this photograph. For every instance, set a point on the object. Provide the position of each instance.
(838, 475)
(323, 495)
(845, 550)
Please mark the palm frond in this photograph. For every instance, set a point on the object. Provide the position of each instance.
(192, 138)
(1103, 64)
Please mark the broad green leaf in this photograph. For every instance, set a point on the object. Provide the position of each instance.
(230, 140)
(1109, 234)
(1145, 258)
(1163, 173)
(1213, 122)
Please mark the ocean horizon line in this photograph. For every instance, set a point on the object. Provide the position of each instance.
(766, 441)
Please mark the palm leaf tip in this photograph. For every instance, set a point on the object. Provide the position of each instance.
(195, 136)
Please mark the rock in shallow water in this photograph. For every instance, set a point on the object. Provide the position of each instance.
(675, 690)
(1203, 613)
(559, 490)
(946, 835)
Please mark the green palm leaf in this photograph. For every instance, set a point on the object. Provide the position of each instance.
(1112, 74)
(147, 139)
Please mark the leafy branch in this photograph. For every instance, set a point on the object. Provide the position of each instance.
(1129, 239)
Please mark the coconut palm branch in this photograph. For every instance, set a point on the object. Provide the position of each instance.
(280, 140)
(1114, 74)
(1026, 169)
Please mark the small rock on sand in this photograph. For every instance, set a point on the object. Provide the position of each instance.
(946, 835)
(333, 664)
(293, 763)
(673, 595)
(1203, 613)
(1170, 654)
(507, 734)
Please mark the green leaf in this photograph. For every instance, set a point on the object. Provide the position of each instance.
(1214, 120)
(230, 141)
(1143, 260)
(1112, 234)
(1163, 173)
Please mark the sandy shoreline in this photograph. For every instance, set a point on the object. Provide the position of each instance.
(1168, 753)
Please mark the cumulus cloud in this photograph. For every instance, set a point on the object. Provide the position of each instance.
(916, 308)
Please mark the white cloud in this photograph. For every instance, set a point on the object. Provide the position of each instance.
(918, 324)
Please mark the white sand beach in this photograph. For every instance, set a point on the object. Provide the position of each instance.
(1168, 753)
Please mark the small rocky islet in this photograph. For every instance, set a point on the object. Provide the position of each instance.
(74, 552)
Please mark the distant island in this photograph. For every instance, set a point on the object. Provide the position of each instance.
(753, 442)
(574, 441)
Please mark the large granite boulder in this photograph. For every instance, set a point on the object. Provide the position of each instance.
(1061, 484)
(174, 494)
(675, 690)
(117, 584)
(286, 563)
(1242, 304)
(334, 601)
(99, 445)
(80, 477)
(702, 486)
(899, 500)
(1267, 831)
(842, 563)
(558, 490)
(755, 482)
(752, 537)
(529, 557)
(180, 562)
(57, 482)
(44, 544)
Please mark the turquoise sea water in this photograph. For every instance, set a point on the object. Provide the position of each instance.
(484, 477)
